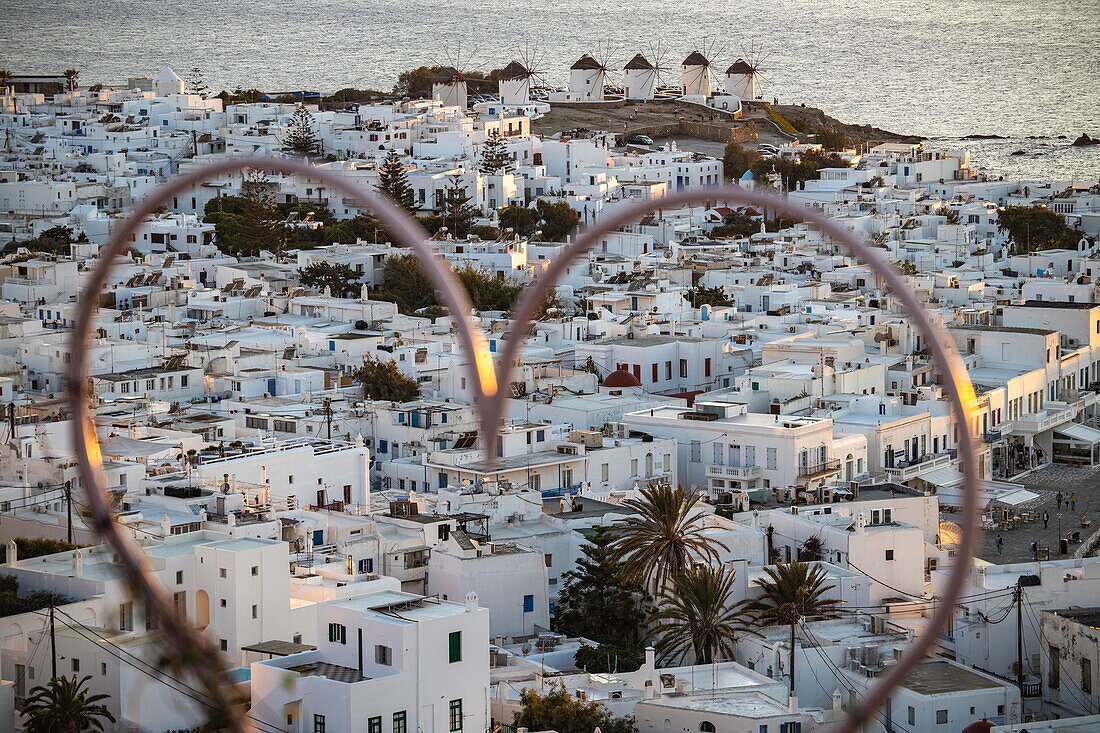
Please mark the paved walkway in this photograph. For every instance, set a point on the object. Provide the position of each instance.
(1047, 482)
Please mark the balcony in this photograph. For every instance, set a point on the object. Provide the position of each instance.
(817, 470)
(909, 470)
(1051, 416)
(736, 473)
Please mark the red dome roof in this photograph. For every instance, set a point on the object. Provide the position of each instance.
(979, 726)
(621, 378)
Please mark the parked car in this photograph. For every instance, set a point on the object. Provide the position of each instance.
(641, 140)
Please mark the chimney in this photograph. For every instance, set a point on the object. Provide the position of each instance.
(653, 681)
(78, 563)
(471, 602)
(13, 553)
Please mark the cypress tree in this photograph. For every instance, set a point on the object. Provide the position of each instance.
(494, 155)
(458, 214)
(300, 139)
(394, 182)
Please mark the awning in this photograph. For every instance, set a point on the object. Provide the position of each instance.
(942, 477)
(278, 648)
(1079, 433)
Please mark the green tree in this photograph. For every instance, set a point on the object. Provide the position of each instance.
(494, 155)
(5, 78)
(559, 711)
(382, 380)
(608, 658)
(11, 603)
(795, 172)
(792, 592)
(736, 160)
(832, 139)
(736, 224)
(71, 78)
(597, 600)
(393, 181)
(363, 227)
(300, 138)
(1036, 228)
(701, 295)
(906, 267)
(488, 293)
(558, 219)
(664, 537)
(248, 223)
(196, 82)
(404, 283)
(64, 705)
(28, 547)
(340, 279)
(697, 615)
(522, 220)
(952, 215)
(458, 214)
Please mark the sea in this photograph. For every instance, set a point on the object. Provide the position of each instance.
(943, 69)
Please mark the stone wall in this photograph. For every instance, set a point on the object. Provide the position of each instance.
(741, 134)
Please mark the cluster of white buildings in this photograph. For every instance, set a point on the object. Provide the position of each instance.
(363, 565)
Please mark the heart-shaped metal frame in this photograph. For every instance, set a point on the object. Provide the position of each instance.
(195, 651)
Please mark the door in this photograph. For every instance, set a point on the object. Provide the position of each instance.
(318, 537)
(271, 386)
(427, 719)
(321, 497)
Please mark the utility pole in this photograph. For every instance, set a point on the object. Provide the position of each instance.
(53, 642)
(69, 505)
(328, 417)
(1020, 636)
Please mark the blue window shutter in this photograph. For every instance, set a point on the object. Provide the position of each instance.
(528, 604)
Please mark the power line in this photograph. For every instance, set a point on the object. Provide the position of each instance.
(157, 674)
(1037, 625)
(839, 675)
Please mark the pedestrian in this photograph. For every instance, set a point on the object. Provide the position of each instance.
(1059, 498)
(1000, 545)
(1073, 501)
(1046, 519)
(1034, 550)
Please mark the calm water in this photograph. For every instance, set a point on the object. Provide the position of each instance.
(939, 68)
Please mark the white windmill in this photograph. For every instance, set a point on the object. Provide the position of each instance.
(695, 75)
(639, 78)
(450, 83)
(743, 77)
(516, 78)
(588, 78)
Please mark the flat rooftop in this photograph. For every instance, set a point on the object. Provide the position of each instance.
(937, 678)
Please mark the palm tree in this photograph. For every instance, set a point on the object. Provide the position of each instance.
(697, 615)
(5, 78)
(63, 705)
(71, 75)
(666, 538)
(792, 592)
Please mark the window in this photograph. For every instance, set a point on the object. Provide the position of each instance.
(224, 644)
(1086, 675)
(255, 611)
(126, 617)
(221, 602)
(374, 725)
(912, 715)
(255, 570)
(889, 554)
(76, 664)
(454, 648)
(383, 655)
(399, 723)
(221, 572)
(338, 633)
(1054, 677)
(528, 604)
(941, 717)
(707, 727)
(179, 577)
(456, 715)
(318, 723)
(549, 558)
(683, 368)
(180, 601)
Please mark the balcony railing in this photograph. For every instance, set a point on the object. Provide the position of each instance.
(819, 469)
(737, 473)
(907, 470)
